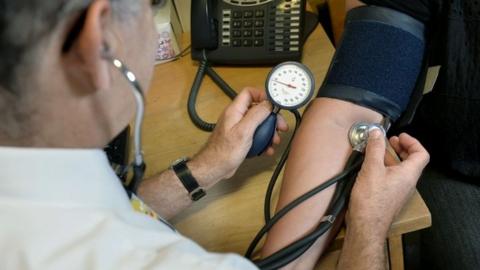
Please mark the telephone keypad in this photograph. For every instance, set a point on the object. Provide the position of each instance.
(247, 33)
(258, 33)
(247, 28)
(247, 43)
(259, 23)
(285, 25)
(247, 24)
(259, 13)
(248, 14)
(237, 14)
(258, 42)
(236, 43)
(237, 24)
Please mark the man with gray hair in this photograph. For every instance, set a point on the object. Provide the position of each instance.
(62, 100)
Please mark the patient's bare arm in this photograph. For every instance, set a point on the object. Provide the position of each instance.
(319, 151)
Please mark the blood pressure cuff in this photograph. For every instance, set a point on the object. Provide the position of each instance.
(378, 61)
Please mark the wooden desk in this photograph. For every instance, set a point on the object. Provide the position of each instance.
(227, 219)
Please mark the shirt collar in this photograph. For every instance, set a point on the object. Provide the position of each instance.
(66, 176)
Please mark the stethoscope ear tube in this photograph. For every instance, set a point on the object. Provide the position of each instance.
(138, 165)
(138, 173)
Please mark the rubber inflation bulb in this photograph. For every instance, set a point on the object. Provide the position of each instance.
(263, 136)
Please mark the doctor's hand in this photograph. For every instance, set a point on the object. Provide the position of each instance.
(384, 185)
(232, 138)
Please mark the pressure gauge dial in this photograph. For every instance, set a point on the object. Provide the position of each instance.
(290, 85)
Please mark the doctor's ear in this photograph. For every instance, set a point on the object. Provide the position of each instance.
(85, 46)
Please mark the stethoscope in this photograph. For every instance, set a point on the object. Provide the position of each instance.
(138, 164)
(289, 86)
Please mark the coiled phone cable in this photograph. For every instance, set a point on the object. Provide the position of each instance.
(205, 69)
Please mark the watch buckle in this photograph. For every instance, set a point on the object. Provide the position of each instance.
(197, 194)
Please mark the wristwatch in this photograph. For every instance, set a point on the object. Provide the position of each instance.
(180, 168)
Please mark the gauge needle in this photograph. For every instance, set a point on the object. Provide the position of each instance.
(286, 84)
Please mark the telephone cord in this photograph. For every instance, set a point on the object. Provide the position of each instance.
(205, 69)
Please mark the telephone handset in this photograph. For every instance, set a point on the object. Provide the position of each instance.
(247, 32)
(205, 33)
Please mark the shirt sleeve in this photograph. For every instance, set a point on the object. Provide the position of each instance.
(142, 248)
(77, 239)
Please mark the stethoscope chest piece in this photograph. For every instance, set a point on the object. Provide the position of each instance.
(358, 135)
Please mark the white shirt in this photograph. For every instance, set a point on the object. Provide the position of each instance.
(66, 209)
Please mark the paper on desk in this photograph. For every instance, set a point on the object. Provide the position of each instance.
(169, 32)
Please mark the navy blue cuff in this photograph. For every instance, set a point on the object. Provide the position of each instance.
(363, 98)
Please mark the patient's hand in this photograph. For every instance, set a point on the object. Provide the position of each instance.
(383, 186)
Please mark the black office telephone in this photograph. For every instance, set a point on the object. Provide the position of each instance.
(244, 32)
(249, 32)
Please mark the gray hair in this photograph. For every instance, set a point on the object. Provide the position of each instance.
(25, 23)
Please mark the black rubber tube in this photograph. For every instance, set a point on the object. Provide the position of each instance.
(278, 169)
(297, 248)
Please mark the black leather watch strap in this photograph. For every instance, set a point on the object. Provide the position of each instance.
(189, 182)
